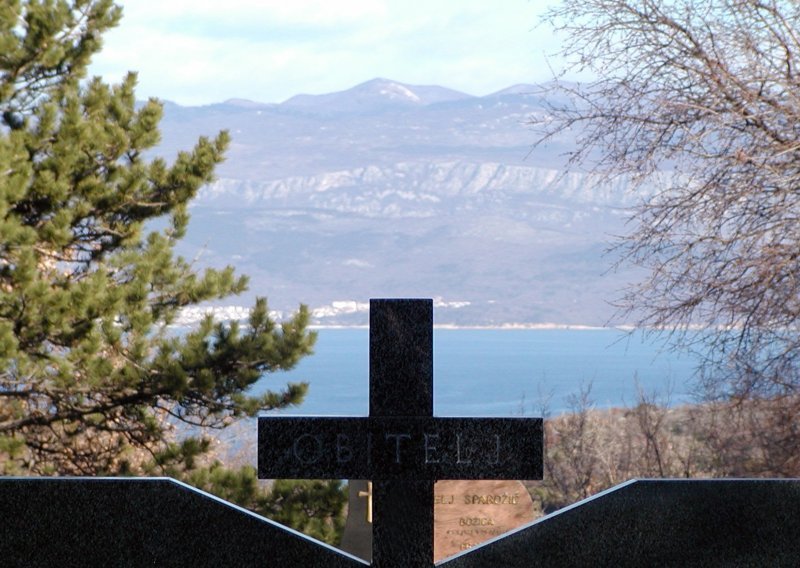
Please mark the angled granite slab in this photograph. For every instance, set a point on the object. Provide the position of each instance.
(713, 523)
(117, 522)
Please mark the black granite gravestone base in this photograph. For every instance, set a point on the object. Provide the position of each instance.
(160, 522)
(74, 522)
(708, 523)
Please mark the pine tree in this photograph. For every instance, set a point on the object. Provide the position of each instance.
(90, 376)
(312, 506)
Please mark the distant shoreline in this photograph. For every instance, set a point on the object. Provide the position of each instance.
(192, 315)
(456, 327)
(501, 327)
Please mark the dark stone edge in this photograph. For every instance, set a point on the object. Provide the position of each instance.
(78, 521)
(747, 522)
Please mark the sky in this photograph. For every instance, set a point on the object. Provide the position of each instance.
(202, 51)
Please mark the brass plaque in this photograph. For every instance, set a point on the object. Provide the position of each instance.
(467, 513)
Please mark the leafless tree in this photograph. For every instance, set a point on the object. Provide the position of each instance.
(697, 104)
(571, 462)
(650, 418)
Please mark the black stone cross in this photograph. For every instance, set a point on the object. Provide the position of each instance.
(400, 446)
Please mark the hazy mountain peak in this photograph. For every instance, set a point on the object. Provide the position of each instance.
(244, 103)
(389, 90)
(373, 95)
(518, 89)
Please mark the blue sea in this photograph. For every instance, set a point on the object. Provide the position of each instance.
(498, 372)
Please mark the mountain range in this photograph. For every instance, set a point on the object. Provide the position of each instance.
(396, 190)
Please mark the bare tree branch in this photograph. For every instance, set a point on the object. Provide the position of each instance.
(697, 105)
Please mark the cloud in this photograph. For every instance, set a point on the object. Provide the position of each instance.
(247, 12)
(202, 51)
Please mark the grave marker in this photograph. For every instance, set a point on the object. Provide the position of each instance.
(401, 447)
(467, 513)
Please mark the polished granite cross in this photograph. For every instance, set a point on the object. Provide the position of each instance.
(401, 447)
